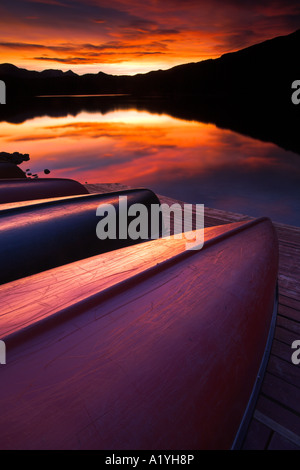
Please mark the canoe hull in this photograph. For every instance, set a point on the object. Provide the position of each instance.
(41, 236)
(166, 360)
(23, 189)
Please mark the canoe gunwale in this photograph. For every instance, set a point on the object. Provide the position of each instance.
(67, 200)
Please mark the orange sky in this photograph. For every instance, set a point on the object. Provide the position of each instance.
(128, 37)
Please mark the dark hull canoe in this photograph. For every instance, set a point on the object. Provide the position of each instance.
(20, 189)
(147, 347)
(41, 236)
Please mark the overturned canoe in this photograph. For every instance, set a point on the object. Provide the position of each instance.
(147, 347)
(40, 236)
(20, 189)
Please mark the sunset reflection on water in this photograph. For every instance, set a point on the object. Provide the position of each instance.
(187, 160)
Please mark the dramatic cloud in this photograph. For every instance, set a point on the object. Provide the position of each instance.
(119, 36)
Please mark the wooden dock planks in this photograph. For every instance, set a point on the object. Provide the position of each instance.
(276, 420)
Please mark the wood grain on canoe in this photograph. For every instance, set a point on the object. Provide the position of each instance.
(53, 290)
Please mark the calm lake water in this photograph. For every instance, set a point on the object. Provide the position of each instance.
(186, 160)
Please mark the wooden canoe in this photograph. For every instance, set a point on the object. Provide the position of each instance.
(23, 189)
(44, 235)
(147, 347)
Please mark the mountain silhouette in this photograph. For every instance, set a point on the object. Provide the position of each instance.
(257, 69)
(248, 91)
